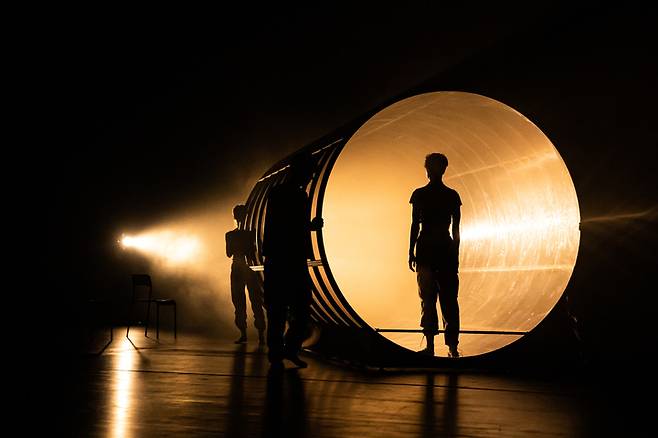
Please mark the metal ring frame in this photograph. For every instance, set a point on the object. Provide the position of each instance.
(328, 307)
(344, 334)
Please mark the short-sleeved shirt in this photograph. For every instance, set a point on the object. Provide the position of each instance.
(433, 207)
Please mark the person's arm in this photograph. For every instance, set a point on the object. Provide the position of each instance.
(271, 228)
(229, 250)
(266, 232)
(413, 236)
(456, 217)
(251, 253)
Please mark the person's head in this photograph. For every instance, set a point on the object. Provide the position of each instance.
(301, 169)
(436, 165)
(239, 213)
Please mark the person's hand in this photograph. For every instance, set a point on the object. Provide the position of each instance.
(317, 223)
(412, 262)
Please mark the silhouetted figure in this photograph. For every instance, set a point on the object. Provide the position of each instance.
(286, 248)
(240, 244)
(436, 255)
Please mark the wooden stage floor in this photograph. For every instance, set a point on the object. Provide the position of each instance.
(197, 386)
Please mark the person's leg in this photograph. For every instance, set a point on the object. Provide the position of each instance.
(276, 324)
(448, 291)
(239, 302)
(299, 319)
(275, 305)
(427, 290)
(256, 298)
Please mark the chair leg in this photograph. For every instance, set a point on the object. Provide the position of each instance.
(157, 321)
(148, 318)
(130, 319)
(175, 323)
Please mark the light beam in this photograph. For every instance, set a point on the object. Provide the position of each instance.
(171, 247)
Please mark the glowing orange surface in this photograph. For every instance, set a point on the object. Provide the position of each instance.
(519, 219)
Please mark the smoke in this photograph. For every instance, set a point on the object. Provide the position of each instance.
(186, 258)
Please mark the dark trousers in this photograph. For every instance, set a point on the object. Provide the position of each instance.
(241, 276)
(436, 283)
(287, 298)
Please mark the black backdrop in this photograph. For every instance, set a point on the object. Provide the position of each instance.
(155, 111)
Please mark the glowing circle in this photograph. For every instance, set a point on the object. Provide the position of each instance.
(519, 224)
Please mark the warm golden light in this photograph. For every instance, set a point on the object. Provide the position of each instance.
(174, 248)
(123, 391)
(520, 216)
(186, 258)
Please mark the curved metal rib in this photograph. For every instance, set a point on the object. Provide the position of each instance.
(329, 306)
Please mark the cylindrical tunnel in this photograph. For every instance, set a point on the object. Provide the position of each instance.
(519, 220)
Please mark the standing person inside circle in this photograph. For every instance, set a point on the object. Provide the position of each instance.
(241, 245)
(434, 253)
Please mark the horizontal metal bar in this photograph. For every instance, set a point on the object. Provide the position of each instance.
(519, 268)
(467, 332)
(258, 268)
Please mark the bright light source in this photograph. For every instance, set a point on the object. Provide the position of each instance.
(174, 248)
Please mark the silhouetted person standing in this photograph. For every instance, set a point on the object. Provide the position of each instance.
(286, 248)
(240, 244)
(436, 255)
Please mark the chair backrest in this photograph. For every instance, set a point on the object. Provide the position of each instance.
(142, 280)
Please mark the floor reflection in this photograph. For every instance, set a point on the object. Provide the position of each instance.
(236, 419)
(447, 422)
(285, 406)
(197, 391)
(123, 391)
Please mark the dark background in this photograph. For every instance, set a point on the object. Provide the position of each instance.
(159, 111)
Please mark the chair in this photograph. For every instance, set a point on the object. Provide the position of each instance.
(144, 280)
